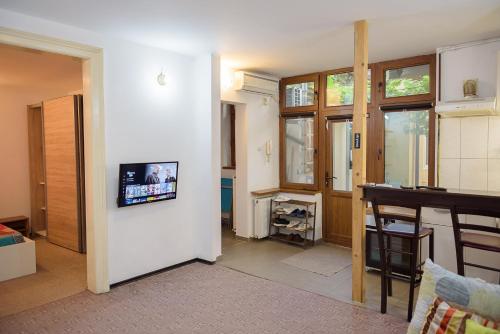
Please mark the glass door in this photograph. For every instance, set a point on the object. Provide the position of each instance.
(338, 181)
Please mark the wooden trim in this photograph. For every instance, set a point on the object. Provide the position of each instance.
(272, 191)
(297, 186)
(314, 77)
(359, 160)
(233, 136)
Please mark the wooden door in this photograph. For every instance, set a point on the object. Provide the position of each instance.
(62, 147)
(37, 169)
(338, 180)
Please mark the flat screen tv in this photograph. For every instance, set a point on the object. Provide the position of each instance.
(147, 182)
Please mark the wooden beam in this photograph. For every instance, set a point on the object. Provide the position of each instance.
(359, 159)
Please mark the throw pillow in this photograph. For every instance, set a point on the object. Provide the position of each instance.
(472, 294)
(472, 327)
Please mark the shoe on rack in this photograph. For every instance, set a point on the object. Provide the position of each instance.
(301, 214)
(294, 223)
(281, 222)
(295, 212)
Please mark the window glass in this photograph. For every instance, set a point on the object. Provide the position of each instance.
(340, 89)
(299, 150)
(406, 148)
(300, 94)
(407, 81)
(342, 155)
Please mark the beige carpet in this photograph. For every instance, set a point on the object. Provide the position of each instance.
(326, 260)
(59, 273)
(200, 298)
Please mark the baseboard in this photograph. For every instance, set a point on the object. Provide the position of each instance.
(162, 270)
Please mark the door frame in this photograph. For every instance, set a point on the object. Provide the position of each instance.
(328, 166)
(94, 132)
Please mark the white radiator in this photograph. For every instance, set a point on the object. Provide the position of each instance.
(261, 208)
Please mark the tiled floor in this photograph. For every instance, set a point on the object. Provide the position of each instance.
(59, 273)
(264, 258)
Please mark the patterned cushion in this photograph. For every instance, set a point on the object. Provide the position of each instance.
(443, 318)
(472, 327)
(472, 294)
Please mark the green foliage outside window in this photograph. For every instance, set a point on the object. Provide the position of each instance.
(407, 86)
(340, 89)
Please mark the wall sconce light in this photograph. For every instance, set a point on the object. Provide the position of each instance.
(161, 78)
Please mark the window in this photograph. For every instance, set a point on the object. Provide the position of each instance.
(341, 137)
(299, 153)
(340, 89)
(228, 159)
(300, 94)
(407, 81)
(407, 148)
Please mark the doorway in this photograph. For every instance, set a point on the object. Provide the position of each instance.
(95, 182)
(42, 178)
(338, 181)
(228, 170)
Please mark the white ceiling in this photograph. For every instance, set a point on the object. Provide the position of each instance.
(280, 37)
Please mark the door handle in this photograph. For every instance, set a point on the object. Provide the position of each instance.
(328, 179)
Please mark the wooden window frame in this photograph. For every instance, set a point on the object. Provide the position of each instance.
(295, 80)
(379, 86)
(283, 182)
(345, 109)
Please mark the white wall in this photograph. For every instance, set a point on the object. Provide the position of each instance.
(144, 122)
(469, 149)
(255, 124)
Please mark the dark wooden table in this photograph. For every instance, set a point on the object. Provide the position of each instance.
(483, 200)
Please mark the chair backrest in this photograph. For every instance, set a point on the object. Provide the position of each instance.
(484, 212)
(396, 210)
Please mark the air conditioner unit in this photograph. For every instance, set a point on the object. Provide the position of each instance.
(256, 83)
(472, 107)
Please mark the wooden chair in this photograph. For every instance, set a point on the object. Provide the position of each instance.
(398, 223)
(466, 235)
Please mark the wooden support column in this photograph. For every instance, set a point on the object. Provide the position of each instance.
(359, 159)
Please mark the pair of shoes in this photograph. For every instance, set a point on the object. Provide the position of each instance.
(294, 223)
(301, 227)
(298, 213)
(296, 237)
(281, 222)
(282, 211)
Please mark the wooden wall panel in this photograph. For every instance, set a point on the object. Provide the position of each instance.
(61, 172)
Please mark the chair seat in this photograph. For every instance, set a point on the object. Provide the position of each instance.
(405, 230)
(481, 241)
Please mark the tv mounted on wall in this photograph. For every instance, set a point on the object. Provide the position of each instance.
(147, 182)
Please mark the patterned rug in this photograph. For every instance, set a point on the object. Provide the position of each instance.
(200, 298)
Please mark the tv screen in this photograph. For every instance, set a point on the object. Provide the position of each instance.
(147, 182)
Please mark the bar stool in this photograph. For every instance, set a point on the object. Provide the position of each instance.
(489, 241)
(412, 231)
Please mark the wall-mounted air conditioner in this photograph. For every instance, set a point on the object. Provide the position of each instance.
(256, 83)
(472, 107)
